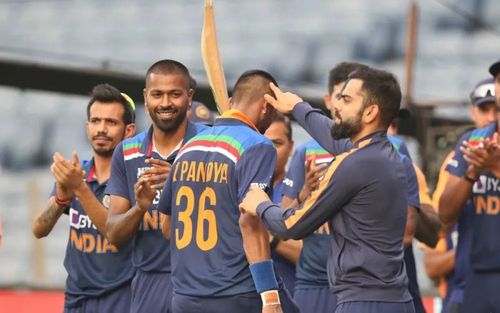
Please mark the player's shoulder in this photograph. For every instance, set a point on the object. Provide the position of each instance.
(135, 141)
(248, 137)
(395, 140)
(481, 133)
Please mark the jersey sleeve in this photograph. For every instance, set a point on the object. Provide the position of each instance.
(256, 166)
(295, 176)
(165, 202)
(333, 193)
(457, 165)
(117, 184)
(403, 149)
(411, 176)
(318, 125)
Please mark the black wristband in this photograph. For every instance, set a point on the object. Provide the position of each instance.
(469, 179)
(274, 243)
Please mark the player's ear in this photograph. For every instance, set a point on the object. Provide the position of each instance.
(230, 102)
(371, 113)
(129, 131)
(326, 99)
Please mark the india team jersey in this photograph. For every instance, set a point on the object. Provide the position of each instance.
(294, 179)
(151, 251)
(311, 267)
(485, 225)
(94, 265)
(210, 177)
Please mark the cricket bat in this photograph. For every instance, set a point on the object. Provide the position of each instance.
(211, 59)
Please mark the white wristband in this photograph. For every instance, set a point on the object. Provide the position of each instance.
(270, 297)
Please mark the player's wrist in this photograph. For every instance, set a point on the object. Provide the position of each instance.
(270, 297)
(80, 188)
(62, 202)
(263, 276)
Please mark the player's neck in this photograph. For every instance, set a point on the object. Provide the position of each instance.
(166, 142)
(102, 166)
(368, 130)
(278, 177)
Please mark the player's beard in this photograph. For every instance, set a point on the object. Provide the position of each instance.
(104, 151)
(347, 128)
(168, 126)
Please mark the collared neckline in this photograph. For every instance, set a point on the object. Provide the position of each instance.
(368, 138)
(238, 115)
(147, 146)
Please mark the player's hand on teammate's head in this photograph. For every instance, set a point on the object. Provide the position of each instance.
(284, 102)
(253, 198)
(158, 172)
(144, 192)
(69, 174)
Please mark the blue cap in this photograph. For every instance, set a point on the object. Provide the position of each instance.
(201, 114)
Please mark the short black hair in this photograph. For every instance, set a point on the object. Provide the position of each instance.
(106, 93)
(252, 85)
(285, 120)
(340, 72)
(167, 66)
(382, 89)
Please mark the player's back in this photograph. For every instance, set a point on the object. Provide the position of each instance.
(210, 177)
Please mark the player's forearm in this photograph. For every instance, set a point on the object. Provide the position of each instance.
(289, 249)
(438, 264)
(428, 226)
(453, 200)
(411, 225)
(45, 221)
(273, 219)
(95, 210)
(315, 123)
(287, 202)
(255, 239)
(122, 227)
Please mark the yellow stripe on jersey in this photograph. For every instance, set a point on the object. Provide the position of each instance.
(293, 219)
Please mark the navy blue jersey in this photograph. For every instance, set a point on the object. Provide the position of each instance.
(209, 179)
(462, 254)
(294, 178)
(151, 251)
(409, 258)
(94, 265)
(311, 267)
(364, 196)
(485, 247)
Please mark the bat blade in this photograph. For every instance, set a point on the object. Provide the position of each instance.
(211, 59)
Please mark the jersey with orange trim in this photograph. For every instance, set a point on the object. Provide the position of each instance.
(485, 247)
(311, 267)
(363, 196)
(210, 177)
(151, 251)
